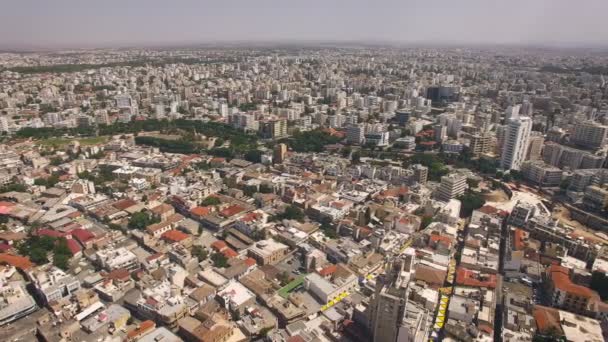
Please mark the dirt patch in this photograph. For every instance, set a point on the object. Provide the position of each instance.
(496, 196)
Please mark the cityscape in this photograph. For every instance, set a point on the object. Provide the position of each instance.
(304, 191)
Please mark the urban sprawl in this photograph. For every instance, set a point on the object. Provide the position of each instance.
(304, 194)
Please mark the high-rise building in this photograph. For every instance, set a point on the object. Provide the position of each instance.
(538, 172)
(421, 173)
(535, 146)
(273, 129)
(101, 117)
(452, 186)
(4, 124)
(590, 134)
(441, 133)
(481, 143)
(555, 134)
(527, 109)
(402, 116)
(159, 111)
(512, 112)
(355, 134)
(280, 152)
(391, 313)
(379, 139)
(443, 94)
(516, 143)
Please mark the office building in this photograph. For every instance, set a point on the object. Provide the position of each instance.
(516, 143)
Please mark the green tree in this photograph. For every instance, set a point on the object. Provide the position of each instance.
(141, 220)
(200, 253)
(426, 220)
(38, 256)
(219, 260)
(291, 212)
(210, 200)
(470, 201)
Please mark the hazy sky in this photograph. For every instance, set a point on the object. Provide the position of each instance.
(56, 23)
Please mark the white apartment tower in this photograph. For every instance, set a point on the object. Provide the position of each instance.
(516, 140)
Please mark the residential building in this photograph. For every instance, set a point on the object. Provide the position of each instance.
(516, 143)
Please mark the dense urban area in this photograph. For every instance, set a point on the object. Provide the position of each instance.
(301, 193)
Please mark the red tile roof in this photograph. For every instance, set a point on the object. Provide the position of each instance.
(219, 245)
(328, 270)
(471, 278)
(200, 211)
(50, 232)
(230, 253)
(231, 211)
(561, 280)
(17, 261)
(141, 330)
(73, 246)
(436, 238)
(175, 235)
(82, 235)
(119, 274)
(547, 319)
(250, 262)
(518, 239)
(124, 204)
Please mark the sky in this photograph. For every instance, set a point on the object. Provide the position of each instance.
(105, 23)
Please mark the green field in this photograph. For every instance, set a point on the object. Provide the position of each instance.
(59, 142)
(285, 290)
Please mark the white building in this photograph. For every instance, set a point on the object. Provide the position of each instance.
(452, 186)
(515, 148)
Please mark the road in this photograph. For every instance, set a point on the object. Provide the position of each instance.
(498, 318)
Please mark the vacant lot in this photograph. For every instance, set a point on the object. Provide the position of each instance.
(59, 142)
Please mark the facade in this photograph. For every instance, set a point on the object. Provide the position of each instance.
(480, 144)
(355, 134)
(541, 174)
(516, 143)
(274, 129)
(590, 134)
(280, 152)
(535, 147)
(452, 186)
(596, 198)
(565, 294)
(421, 173)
